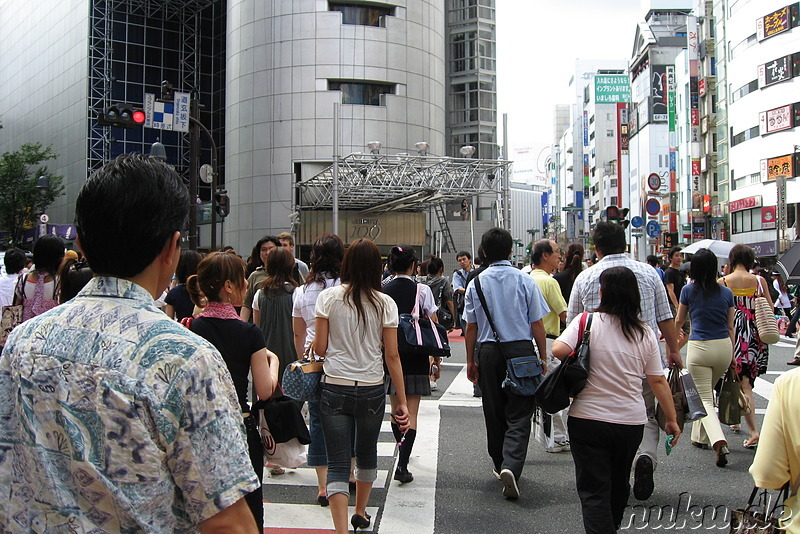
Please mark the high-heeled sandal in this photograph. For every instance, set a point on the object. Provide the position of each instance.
(359, 521)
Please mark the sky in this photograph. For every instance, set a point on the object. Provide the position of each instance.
(538, 42)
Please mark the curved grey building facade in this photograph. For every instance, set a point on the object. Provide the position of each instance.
(288, 62)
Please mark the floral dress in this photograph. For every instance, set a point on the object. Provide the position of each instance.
(752, 355)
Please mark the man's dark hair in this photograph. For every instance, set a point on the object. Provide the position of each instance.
(672, 252)
(540, 248)
(609, 238)
(126, 211)
(435, 264)
(652, 259)
(464, 253)
(14, 260)
(496, 244)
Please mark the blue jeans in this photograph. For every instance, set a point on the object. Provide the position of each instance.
(316, 449)
(344, 409)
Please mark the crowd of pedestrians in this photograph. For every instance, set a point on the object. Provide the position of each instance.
(127, 390)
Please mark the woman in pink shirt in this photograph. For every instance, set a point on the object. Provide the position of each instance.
(607, 418)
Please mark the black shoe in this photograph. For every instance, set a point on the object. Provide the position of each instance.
(359, 521)
(403, 475)
(643, 478)
(322, 500)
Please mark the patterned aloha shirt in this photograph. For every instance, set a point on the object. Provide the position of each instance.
(114, 418)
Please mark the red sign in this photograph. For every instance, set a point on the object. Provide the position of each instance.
(701, 86)
(695, 167)
(695, 117)
(744, 203)
(706, 203)
(768, 217)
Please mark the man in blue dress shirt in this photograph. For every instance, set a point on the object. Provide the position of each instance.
(517, 307)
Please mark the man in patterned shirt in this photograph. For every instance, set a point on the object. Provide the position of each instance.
(609, 243)
(114, 418)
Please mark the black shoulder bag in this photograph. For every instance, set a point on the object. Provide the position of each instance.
(569, 378)
(523, 367)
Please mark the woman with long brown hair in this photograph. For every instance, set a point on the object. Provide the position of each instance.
(751, 354)
(220, 285)
(573, 265)
(326, 264)
(353, 321)
(272, 306)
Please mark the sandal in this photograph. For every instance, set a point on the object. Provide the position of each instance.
(750, 444)
(736, 428)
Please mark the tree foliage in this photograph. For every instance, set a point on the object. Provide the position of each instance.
(20, 200)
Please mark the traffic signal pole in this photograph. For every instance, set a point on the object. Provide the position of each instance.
(194, 170)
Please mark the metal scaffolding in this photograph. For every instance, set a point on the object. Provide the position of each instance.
(400, 182)
(101, 55)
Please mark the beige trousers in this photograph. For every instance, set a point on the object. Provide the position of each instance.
(707, 361)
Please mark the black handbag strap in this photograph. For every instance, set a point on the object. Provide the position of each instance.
(587, 330)
(485, 307)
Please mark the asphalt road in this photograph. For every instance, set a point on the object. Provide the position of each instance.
(454, 491)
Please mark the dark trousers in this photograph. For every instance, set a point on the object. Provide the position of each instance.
(255, 446)
(507, 416)
(792, 328)
(603, 454)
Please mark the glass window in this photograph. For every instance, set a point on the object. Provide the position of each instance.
(361, 93)
(362, 15)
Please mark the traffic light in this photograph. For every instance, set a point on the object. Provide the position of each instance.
(615, 215)
(122, 116)
(223, 203)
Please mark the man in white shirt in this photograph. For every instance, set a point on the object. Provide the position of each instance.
(14, 261)
(609, 243)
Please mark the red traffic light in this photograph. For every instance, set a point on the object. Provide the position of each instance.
(122, 116)
(139, 116)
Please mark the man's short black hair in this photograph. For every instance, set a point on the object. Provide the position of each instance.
(609, 238)
(126, 211)
(464, 253)
(652, 259)
(496, 244)
(14, 260)
(540, 248)
(673, 251)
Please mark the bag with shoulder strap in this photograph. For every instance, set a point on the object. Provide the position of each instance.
(766, 325)
(523, 366)
(421, 335)
(570, 377)
(301, 378)
(444, 315)
(12, 315)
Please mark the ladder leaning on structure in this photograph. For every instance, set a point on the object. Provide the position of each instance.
(441, 217)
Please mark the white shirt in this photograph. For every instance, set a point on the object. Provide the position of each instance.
(7, 283)
(613, 391)
(304, 300)
(354, 349)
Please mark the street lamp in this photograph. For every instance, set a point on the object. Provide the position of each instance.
(467, 151)
(158, 150)
(374, 147)
(422, 148)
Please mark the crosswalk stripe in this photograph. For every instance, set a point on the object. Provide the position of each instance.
(307, 476)
(460, 392)
(300, 517)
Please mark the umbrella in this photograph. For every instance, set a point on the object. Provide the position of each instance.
(721, 249)
(789, 265)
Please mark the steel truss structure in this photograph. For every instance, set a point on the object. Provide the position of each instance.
(101, 56)
(377, 182)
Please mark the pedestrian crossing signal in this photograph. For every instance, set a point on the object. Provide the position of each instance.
(122, 116)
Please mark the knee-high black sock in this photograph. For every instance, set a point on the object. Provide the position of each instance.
(396, 432)
(405, 448)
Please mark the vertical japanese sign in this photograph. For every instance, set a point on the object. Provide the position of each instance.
(694, 110)
(658, 93)
(673, 146)
(622, 149)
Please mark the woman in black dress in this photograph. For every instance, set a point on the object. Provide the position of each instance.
(220, 280)
(402, 262)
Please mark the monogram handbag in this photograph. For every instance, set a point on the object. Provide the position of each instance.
(301, 378)
(421, 336)
(766, 325)
(758, 516)
(569, 378)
